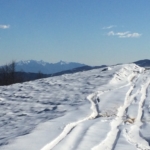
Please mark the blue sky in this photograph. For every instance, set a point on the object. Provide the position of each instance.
(93, 32)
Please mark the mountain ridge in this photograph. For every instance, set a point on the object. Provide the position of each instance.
(143, 63)
(34, 66)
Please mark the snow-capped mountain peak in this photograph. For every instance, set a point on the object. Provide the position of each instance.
(41, 62)
(23, 62)
(63, 62)
(46, 67)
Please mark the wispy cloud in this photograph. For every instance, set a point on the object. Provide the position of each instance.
(109, 27)
(126, 34)
(4, 26)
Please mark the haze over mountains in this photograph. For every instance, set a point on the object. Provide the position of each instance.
(45, 67)
(31, 69)
(34, 66)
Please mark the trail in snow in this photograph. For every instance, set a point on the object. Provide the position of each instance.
(109, 142)
(133, 135)
(113, 135)
(66, 131)
(94, 99)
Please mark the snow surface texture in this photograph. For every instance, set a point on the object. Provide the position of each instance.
(92, 110)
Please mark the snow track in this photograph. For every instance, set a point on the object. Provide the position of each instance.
(95, 113)
(111, 139)
(94, 99)
(112, 136)
(133, 134)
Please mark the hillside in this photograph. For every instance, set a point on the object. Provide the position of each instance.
(100, 109)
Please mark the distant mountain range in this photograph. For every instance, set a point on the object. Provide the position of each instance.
(33, 66)
(31, 70)
(143, 63)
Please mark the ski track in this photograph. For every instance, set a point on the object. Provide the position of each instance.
(93, 98)
(133, 134)
(110, 141)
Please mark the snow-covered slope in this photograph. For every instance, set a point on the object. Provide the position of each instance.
(45, 67)
(100, 109)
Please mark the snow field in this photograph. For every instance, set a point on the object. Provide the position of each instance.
(94, 110)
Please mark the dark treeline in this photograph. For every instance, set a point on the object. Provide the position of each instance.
(8, 75)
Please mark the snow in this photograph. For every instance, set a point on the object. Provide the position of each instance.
(34, 66)
(63, 62)
(92, 110)
(22, 62)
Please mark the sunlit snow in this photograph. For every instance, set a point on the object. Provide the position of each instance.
(100, 109)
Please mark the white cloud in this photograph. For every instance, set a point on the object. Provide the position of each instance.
(109, 27)
(126, 34)
(4, 26)
(111, 33)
